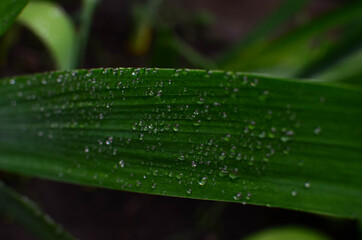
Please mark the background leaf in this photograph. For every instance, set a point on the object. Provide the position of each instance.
(291, 53)
(26, 212)
(287, 233)
(284, 12)
(9, 10)
(88, 9)
(51, 24)
(348, 71)
(189, 133)
(348, 45)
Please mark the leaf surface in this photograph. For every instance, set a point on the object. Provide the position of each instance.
(189, 133)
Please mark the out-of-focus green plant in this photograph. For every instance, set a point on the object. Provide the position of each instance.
(9, 10)
(26, 212)
(48, 21)
(287, 233)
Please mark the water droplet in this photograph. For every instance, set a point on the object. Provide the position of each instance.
(237, 196)
(197, 123)
(201, 101)
(248, 196)
(233, 174)
(109, 141)
(294, 193)
(203, 181)
(285, 139)
(222, 156)
(122, 163)
(254, 82)
(138, 183)
(181, 157)
(317, 130)
(307, 184)
(175, 127)
(189, 191)
(289, 133)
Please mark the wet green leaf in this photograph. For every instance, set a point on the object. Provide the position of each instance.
(213, 135)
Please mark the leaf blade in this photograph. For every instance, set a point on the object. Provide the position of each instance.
(287, 232)
(24, 211)
(51, 24)
(9, 10)
(189, 133)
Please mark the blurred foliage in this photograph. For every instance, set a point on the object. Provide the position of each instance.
(9, 10)
(27, 213)
(48, 21)
(287, 233)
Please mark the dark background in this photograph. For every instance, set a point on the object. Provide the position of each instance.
(209, 26)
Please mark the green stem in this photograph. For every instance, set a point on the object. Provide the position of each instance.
(85, 22)
(191, 54)
(286, 10)
(27, 213)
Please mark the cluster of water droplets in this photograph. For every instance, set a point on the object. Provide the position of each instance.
(150, 128)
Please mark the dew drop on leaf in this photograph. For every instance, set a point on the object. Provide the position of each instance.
(122, 164)
(317, 130)
(237, 196)
(203, 181)
(193, 164)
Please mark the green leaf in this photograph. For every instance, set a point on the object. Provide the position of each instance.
(348, 71)
(24, 211)
(285, 11)
(191, 54)
(163, 54)
(145, 16)
(290, 53)
(189, 133)
(87, 13)
(9, 10)
(287, 233)
(51, 24)
(341, 50)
